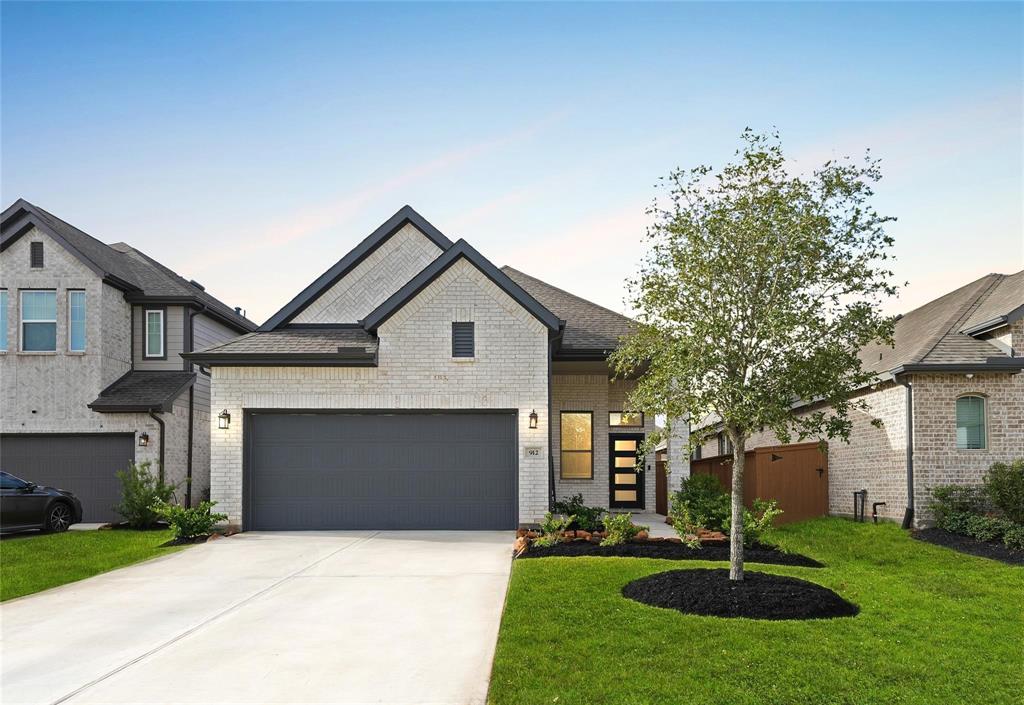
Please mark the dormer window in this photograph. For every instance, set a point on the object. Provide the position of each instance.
(463, 340)
(36, 255)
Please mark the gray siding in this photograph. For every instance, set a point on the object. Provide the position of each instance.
(207, 332)
(174, 343)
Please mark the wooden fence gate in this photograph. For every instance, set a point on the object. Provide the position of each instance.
(795, 475)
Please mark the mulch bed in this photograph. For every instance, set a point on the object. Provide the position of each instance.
(709, 592)
(671, 551)
(966, 544)
(188, 542)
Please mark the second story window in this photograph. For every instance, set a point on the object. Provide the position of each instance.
(76, 321)
(39, 321)
(3, 319)
(154, 333)
(724, 444)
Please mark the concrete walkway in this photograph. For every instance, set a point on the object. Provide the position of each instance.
(312, 617)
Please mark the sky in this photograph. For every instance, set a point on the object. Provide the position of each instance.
(249, 146)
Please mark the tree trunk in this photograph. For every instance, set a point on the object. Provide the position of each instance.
(736, 527)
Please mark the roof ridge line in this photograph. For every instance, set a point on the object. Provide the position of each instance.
(982, 298)
(961, 314)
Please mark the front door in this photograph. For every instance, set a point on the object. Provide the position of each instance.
(625, 484)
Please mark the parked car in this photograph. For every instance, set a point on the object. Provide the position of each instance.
(25, 505)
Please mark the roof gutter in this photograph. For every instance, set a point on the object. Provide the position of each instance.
(345, 357)
(992, 364)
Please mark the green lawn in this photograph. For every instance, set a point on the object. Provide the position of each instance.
(935, 627)
(33, 562)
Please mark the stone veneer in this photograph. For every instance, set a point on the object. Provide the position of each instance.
(415, 371)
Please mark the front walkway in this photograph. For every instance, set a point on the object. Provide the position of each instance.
(656, 522)
(324, 617)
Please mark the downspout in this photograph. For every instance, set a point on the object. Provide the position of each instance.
(160, 423)
(908, 516)
(191, 405)
(551, 459)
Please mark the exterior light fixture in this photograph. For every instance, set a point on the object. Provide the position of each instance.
(223, 419)
(143, 439)
(533, 419)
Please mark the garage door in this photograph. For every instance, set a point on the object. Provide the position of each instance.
(381, 471)
(84, 464)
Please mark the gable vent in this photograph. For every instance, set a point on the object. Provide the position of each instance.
(36, 256)
(462, 340)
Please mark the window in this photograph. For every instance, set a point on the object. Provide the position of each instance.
(154, 333)
(39, 321)
(577, 445)
(696, 453)
(724, 444)
(10, 482)
(76, 321)
(970, 423)
(462, 340)
(3, 319)
(36, 255)
(626, 419)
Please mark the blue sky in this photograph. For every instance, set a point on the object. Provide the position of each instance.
(249, 146)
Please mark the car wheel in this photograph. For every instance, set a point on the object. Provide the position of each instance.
(58, 518)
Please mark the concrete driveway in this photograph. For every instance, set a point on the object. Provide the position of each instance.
(321, 617)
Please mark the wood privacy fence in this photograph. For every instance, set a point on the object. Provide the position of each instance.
(795, 475)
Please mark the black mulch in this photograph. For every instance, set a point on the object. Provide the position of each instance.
(709, 592)
(186, 542)
(671, 551)
(966, 544)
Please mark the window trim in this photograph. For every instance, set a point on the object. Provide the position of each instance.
(472, 330)
(162, 310)
(22, 320)
(32, 249)
(561, 448)
(85, 331)
(4, 305)
(642, 424)
(984, 421)
(724, 443)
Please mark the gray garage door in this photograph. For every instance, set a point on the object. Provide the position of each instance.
(84, 464)
(381, 471)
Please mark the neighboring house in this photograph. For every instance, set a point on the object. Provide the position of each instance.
(91, 373)
(416, 385)
(953, 377)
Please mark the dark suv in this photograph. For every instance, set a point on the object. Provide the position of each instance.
(26, 505)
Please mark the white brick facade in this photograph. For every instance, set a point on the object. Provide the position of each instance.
(415, 371)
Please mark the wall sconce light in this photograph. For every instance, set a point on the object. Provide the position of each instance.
(533, 419)
(143, 439)
(223, 419)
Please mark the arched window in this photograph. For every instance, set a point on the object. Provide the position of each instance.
(970, 422)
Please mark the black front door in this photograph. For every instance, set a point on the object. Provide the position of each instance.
(625, 484)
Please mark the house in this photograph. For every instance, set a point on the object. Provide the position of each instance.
(949, 394)
(416, 385)
(91, 374)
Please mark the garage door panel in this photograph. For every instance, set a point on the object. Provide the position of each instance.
(397, 471)
(86, 465)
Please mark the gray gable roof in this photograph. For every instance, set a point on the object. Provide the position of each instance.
(588, 327)
(142, 391)
(120, 265)
(1004, 304)
(342, 346)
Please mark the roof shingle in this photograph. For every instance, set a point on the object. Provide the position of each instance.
(143, 390)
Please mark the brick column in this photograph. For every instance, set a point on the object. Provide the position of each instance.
(678, 456)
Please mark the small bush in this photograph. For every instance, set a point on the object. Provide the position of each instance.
(957, 499)
(586, 518)
(620, 529)
(140, 490)
(954, 522)
(1004, 486)
(756, 522)
(551, 529)
(985, 528)
(705, 501)
(1014, 537)
(189, 523)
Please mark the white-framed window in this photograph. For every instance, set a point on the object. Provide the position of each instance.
(970, 423)
(724, 444)
(39, 321)
(3, 320)
(154, 340)
(76, 321)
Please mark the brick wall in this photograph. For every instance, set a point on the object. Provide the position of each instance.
(416, 371)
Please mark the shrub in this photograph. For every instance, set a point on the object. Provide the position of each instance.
(140, 490)
(1004, 486)
(551, 528)
(587, 518)
(685, 524)
(620, 529)
(957, 499)
(985, 528)
(1014, 537)
(955, 522)
(705, 501)
(756, 522)
(189, 523)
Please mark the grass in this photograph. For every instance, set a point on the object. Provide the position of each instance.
(935, 627)
(33, 562)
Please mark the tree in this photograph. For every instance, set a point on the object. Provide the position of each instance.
(758, 290)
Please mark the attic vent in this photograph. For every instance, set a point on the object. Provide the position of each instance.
(462, 339)
(197, 285)
(36, 255)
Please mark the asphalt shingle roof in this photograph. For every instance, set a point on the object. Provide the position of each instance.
(295, 340)
(144, 390)
(1005, 297)
(587, 325)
